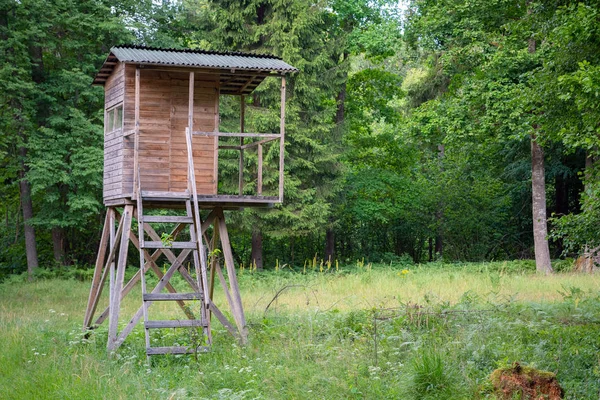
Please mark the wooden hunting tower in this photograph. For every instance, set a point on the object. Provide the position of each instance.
(161, 151)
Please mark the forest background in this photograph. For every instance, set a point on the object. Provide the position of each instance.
(429, 130)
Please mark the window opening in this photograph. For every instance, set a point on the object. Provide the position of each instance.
(114, 119)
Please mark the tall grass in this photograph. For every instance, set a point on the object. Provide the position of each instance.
(326, 336)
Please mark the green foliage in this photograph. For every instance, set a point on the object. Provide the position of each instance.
(329, 349)
(431, 378)
(403, 129)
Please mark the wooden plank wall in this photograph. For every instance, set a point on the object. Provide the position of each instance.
(114, 91)
(205, 95)
(163, 119)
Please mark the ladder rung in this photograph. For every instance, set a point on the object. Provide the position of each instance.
(171, 296)
(164, 196)
(182, 323)
(175, 219)
(175, 350)
(174, 245)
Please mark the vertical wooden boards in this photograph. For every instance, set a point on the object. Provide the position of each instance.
(163, 117)
(162, 113)
(114, 88)
(154, 130)
(136, 149)
(113, 162)
(114, 93)
(128, 126)
(215, 140)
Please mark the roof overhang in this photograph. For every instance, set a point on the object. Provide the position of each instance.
(239, 73)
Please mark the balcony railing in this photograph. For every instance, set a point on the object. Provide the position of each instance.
(263, 139)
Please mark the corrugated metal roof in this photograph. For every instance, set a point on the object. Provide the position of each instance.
(192, 58)
(201, 58)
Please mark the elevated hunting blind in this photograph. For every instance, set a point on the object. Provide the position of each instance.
(161, 152)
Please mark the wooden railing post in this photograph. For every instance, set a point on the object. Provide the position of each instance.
(260, 170)
(281, 138)
(242, 118)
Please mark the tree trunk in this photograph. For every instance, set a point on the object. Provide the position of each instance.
(329, 245)
(257, 249)
(58, 245)
(439, 215)
(430, 249)
(27, 205)
(538, 194)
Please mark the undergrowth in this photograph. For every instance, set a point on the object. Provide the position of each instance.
(424, 347)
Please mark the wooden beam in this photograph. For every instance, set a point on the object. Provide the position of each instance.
(96, 280)
(110, 262)
(160, 286)
(246, 85)
(223, 319)
(282, 140)
(151, 263)
(259, 179)
(241, 168)
(210, 72)
(211, 283)
(171, 256)
(120, 275)
(258, 143)
(231, 134)
(237, 309)
(227, 291)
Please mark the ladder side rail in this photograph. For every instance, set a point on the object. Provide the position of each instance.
(202, 282)
(141, 239)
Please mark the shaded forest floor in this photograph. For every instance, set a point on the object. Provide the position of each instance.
(382, 331)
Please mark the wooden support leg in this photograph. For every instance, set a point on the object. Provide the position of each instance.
(213, 264)
(237, 308)
(115, 300)
(97, 279)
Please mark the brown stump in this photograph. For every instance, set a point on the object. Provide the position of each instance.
(526, 383)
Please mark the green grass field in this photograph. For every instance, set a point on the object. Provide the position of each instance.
(429, 332)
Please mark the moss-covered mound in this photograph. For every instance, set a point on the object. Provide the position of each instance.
(525, 383)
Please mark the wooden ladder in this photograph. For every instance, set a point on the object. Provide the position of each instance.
(199, 285)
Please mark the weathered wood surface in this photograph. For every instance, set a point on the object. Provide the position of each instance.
(115, 296)
(151, 351)
(162, 112)
(174, 323)
(171, 296)
(282, 141)
(236, 304)
(236, 134)
(96, 280)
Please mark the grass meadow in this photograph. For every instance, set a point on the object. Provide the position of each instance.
(433, 331)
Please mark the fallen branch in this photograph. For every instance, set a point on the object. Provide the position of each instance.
(288, 287)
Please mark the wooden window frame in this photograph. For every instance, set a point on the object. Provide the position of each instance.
(112, 113)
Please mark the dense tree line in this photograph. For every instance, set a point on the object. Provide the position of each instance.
(438, 129)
